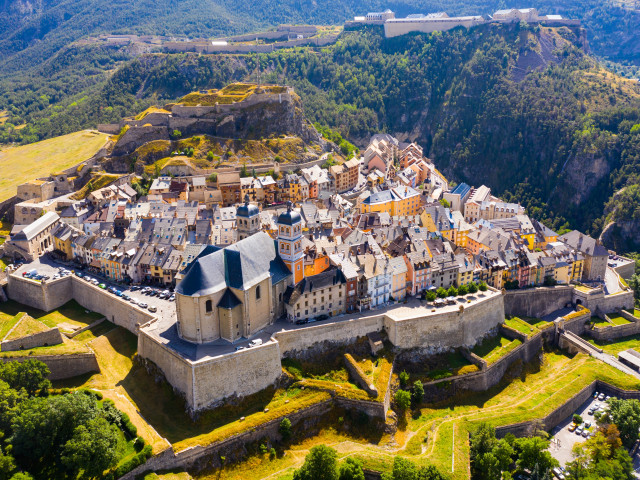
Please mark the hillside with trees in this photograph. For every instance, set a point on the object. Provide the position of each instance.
(496, 98)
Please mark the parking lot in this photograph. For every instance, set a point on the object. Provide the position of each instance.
(563, 440)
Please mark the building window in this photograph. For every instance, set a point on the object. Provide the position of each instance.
(208, 306)
(258, 292)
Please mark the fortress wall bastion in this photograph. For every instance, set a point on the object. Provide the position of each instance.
(63, 366)
(45, 296)
(239, 374)
(40, 339)
(299, 340)
(537, 302)
(177, 370)
(449, 328)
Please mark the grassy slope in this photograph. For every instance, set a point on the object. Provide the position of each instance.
(19, 164)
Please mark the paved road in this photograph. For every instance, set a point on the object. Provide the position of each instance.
(611, 284)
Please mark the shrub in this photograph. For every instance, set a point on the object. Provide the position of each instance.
(473, 287)
(441, 292)
(482, 287)
(430, 296)
(402, 399)
(272, 453)
(452, 292)
(285, 428)
(128, 427)
(139, 444)
(418, 392)
(577, 419)
(463, 290)
(404, 378)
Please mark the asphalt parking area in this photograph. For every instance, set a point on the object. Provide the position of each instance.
(562, 440)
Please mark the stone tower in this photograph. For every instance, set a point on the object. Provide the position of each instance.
(247, 219)
(290, 242)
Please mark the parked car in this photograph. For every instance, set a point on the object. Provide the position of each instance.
(579, 430)
(302, 321)
(102, 286)
(572, 427)
(255, 342)
(153, 309)
(133, 300)
(142, 305)
(585, 433)
(595, 395)
(322, 317)
(601, 397)
(240, 348)
(172, 298)
(125, 296)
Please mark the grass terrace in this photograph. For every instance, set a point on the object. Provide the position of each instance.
(614, 347)
(635, 312)
(68, 317)
(493, 349)
(24, 326)
(598, 322)
(20, 164)
(618, 319)
(526, 325)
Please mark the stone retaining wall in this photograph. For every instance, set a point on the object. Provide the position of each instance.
(612, 332)
(358, 376)
(537, 302)
(63, 366)
(40, 339)
(565, 410)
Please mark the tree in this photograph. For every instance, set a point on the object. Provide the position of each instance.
(243, 171)
(319, 464)
(92, 449)
(445, 203)
(210, 155)
(30, 375)
(213, 178)
(404, 378)
(626, 415)
(285, 428)
(176, 134)
(404, 469)
(7, 465)
(418, 392)
(533, 451)
(463, 290)
(577, 419)
(9, 399)
(403, 399)
(482, 287)
(430, 295)
(599, 457)
(43, 426)
(441, 292)
(351, 469)
(452, 291)
(473, 287)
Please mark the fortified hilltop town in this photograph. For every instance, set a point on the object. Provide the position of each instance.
(228, 267)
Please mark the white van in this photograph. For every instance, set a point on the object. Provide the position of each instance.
(256, 342)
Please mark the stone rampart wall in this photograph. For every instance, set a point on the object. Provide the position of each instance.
(50, 295)
(40, 339)
(45, 296)
(115, 309)
(345, 331)
(233, 448)
(238, 374)
(575, 322)
(449, 328)
(537, 302)
(613, 332)
(63, 366)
